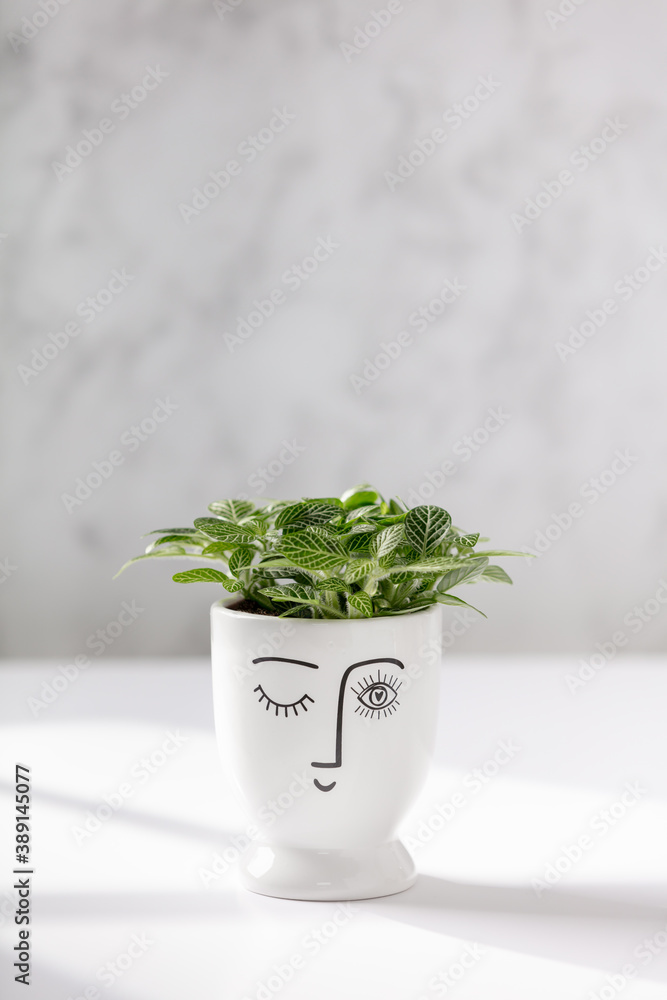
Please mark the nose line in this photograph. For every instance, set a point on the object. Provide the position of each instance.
(338, 762)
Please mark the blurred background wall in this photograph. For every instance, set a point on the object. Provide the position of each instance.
(416, 243)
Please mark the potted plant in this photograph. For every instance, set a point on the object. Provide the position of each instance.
(325, 675)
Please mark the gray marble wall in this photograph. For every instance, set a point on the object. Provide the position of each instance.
(482, 323)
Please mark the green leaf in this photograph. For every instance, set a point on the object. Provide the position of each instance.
(425, 527)
(298, 611)
(222, 530)
(497, 574)
(387, 540)
(330, 500)
(396, 506)
(409, 609)
(358, 542)
(171, 531)
(360, 569)
(467, 570)
(333, 583)
(400, 572)
(420, 602)
(327, 532)
(500, 552)
(273, 561)
(468, 541)
(290, 576)
(284, 573)
(366, 511)
(362, 602)
(232, 509)
(240, 559)
(450, 599)
(290, 514)
(387, 519)
(311, 549)
(424, 567)
(293, 592)
(207, 575)
(360, 528)
(185, 539)
(254, 525)
(219, 550)
(306, 513)
(360, 496)
(301, 595)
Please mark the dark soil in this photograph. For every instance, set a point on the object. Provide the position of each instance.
(251, 608)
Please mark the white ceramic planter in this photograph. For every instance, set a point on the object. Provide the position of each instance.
(327, 728)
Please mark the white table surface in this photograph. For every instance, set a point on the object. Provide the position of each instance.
(141, 872)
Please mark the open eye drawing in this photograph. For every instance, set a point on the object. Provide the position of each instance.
(377, 696)
(301, 703)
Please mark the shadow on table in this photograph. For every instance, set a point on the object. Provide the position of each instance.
(60, 906)
(575, 927)
(137, 817)
(436, 895)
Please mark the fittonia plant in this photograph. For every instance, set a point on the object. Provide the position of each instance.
(354, 556)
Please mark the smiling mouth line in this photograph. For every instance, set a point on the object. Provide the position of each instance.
(323, 788)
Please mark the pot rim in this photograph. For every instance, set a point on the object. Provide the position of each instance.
(222, 606)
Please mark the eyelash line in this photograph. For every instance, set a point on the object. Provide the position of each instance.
(269, 701)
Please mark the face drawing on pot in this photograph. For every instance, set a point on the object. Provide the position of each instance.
(376, 691)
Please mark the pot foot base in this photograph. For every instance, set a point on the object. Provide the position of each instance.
(301, 873)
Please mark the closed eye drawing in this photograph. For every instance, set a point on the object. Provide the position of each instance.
(295, 706)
